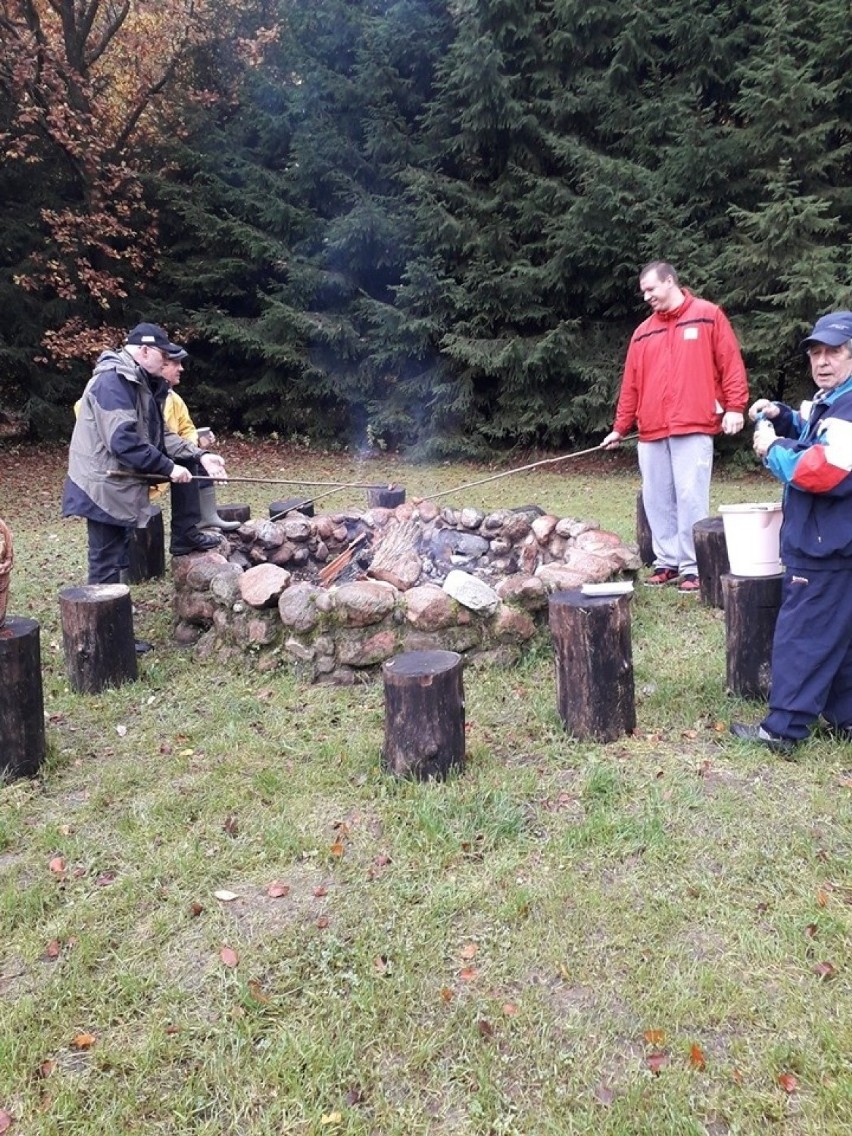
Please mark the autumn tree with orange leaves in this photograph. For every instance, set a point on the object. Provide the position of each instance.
(91, 86)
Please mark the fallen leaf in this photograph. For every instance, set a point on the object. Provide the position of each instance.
(83, 1040)
(485, 1028)
(696, 1057)
(381, 964)
(604, 1094)
(788, 1082)
(320, 891)
(446, 994)
(105, 879)
(468, 973)
(121, 731)
(195, 909)
(655, 1036)
(231, 825)
(468, 950)
(822, 897)
(225, 895)
(229, 956)
(172, 1030)
(825, 970)
(57, 864)
(186, 753)
(52, 949)
(331, 1118)
(322, 922)
(256, 991)
(811, 931)
(510, 1009)
(278, 891)
(656, 1062)
(5, 1120)
(736, 1076)
(46, 1068)
(354, 1096)
(337, 848)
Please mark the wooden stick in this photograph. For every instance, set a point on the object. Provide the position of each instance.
(341, 561)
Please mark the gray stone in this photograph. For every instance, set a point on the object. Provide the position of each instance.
(297, 607)
(470, 592)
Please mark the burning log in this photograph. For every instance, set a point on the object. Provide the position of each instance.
(334, 567)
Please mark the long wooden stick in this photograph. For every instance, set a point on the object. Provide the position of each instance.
(250, 480)
(524, 468)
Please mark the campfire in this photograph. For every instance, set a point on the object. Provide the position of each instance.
(338, 593)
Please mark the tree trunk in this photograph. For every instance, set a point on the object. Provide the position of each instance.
(643, 533)
(711, 555)
(424, 714)
(594, 664)
(385, 496)
(241, 513)
(279, 509)
(22, 745)
(97, 635)
(751, 612)
(148, 550)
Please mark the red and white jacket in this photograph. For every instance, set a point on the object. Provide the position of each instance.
(681, 366)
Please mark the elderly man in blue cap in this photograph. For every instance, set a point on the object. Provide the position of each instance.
(810, 452)
(120, 430)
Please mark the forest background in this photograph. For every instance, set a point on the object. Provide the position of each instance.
(412, 224)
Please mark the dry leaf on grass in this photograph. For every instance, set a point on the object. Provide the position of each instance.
(277, 891)
(225, 895)
(229, 956)
(83, 1040)
(5, 1120)
(788, 1082)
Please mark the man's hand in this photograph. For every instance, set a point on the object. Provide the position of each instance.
(611, 441)
(180, 475)
(732, 422)
(764, 436)
(763, 408)
(214, 465)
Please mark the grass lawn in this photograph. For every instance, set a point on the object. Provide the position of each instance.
(219, 916)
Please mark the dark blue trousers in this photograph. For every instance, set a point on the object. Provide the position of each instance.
(812, 653)
(109, 552)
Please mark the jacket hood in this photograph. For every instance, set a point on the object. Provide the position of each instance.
(119, 361)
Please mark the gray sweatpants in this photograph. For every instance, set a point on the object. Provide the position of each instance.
(676, 493)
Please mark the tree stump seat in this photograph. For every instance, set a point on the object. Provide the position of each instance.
(424, 714)
(97, 636)
(752, 604)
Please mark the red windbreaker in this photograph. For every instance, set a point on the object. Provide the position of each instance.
(679, 366)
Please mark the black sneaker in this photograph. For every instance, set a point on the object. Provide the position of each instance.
(194, 542)
(774, 742)
(143, 646)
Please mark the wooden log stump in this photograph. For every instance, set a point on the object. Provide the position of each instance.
(385, 496)
(594, 664)
(711, 555)
(751, 612)
(22, 744)
(148, 550)
(241, 513)
(424, 714)
(279, 509)
(97, 636)
(643, 533)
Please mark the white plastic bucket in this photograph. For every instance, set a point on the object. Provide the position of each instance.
(752, 533)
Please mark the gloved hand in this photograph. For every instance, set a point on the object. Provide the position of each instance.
(611, 441)
(732, 422)
(764, 436)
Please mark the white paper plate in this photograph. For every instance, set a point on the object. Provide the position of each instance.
(609, 588)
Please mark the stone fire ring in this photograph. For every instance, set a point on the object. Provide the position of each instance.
(334, 596)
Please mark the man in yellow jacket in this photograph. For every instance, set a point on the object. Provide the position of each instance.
(178, 419)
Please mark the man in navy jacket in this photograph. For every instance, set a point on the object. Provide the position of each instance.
(811, 454)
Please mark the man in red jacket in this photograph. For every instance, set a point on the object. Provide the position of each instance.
(684, 381)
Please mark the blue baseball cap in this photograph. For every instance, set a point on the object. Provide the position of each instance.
(832, 330)
(152, 335)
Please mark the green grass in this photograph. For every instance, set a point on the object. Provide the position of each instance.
(499, 954)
